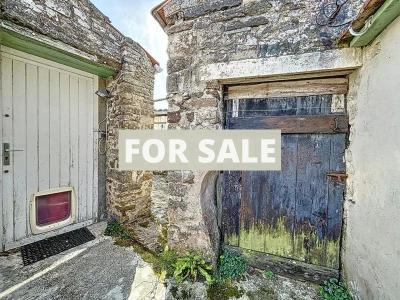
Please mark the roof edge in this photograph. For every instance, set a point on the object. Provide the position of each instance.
(159, 13)
(373, 12)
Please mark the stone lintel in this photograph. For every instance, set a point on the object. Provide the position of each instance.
(345, 60)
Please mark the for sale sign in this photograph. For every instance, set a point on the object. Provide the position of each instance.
(200, 150)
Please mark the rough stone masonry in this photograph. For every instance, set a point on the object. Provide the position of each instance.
(213, 31)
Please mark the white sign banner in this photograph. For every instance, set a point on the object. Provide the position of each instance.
(213, 150)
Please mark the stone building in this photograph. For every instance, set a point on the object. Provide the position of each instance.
(229, 57)
(234, 64)
(55, 56)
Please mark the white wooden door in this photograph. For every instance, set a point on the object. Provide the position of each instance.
(49, 119)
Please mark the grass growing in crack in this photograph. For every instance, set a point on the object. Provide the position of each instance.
(333, 289)
(166, 264)
(115, 229)
(269, 274)
(162, 263)
(231, 266)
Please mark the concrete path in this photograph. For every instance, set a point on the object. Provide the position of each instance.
(100, 270)
(96, 270)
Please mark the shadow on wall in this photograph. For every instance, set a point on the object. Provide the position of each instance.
(209, 208)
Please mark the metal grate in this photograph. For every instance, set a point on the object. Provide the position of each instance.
(42, 249)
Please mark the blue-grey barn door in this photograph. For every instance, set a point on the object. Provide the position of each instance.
(295, 213)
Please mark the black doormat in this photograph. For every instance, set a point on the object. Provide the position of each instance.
(42, 249)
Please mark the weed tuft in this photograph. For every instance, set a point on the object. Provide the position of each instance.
(231, 265)
(333, 289)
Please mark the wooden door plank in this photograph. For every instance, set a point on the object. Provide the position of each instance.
(90, 147)
(336, 197)
(2, 117)
(312, 199)
(83, 148)
(286, 267)
(44, 130)
(19, 143)
(95, 126)
(74, 138)
(32, 150)
(8, 186)
(55, 116)
(230, 221)
(295, 124)
(64, 130)
(294, 88)
(280, 212)
(251, 235)
(286, 106)
(267, 215)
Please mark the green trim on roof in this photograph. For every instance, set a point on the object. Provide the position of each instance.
(32, 46)
(385, 15)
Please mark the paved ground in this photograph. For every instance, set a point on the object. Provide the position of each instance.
(96, 270)
(101, 270)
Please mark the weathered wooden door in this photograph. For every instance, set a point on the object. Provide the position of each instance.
(295, 213)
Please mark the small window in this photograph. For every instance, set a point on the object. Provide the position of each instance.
(52, 210)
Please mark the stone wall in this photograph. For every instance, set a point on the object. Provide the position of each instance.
(214, 31)
(78, 26)
(77, 23)
(131, 107)
(372, 237)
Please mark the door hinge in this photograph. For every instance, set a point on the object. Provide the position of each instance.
(337, 176)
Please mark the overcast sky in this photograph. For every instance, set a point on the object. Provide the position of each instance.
(133, 18)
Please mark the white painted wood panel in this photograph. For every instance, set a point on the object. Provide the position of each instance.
(44, 130)
(90, 128)
(74, 137)
(19, 148)
(54, 129)
(7, 199)
(53, 118)
(64, 130)
(1, 165)
(32, 141)
(83, 141)
(95, 178)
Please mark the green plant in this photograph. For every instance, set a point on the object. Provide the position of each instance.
(333, 289)
(223, 290)
(114, 228)
(269, 274)
(191, 266)
(167, 261)
(231, 265)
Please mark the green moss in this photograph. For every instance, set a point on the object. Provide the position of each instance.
(224, 290)
(162, 238)
(321, 252)
(162, 263)
(278, 240)
(265, 238)
(231, 239)
(262, 294)
(167, 261)
(185, 295)
(174, 291)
